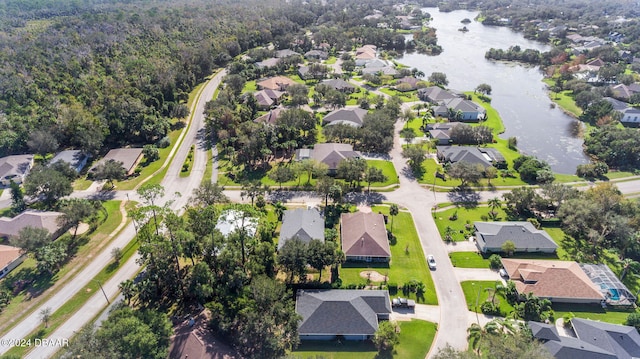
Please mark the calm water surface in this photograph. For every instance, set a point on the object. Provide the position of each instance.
(518, 93)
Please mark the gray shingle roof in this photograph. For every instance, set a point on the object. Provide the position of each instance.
(15, 165)
(75, 158)
(304, 224)
(353, 116)
(523, 234)
(341, 312)
(544, 331)
(572, 348)
(485, 156)
(621, 340)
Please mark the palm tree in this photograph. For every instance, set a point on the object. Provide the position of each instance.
(493, 204)
(448, 234)
(628, 265)
(128, 290)
(278, 209)
(498, 287)
(393, 211)
(477, 333)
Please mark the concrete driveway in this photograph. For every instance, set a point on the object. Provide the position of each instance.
(429, 313)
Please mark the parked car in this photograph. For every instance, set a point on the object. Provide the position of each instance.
(403, 303)
(431, 261)
(503, 273)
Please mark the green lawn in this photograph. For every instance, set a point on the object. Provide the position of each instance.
(416, 337)
(407, 258)
(331, 60)
(494, 121)
(593, 312)
(468, 260)
(21, 304)
(387, 169)
(409, 96)
(250, 86)
(564, 99)
(463, 225)
(225, 167)
(481, 291)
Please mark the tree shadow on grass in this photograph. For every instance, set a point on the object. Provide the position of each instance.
(30, 281)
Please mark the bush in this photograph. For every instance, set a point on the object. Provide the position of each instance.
(151, 153)
(490, 308)
(393, 288)
(495, 261)
(164, 142)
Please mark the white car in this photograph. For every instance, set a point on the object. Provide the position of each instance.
(431, 261)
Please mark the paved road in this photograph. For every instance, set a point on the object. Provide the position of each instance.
(173, 184)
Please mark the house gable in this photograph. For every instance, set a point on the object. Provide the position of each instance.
(364, 235)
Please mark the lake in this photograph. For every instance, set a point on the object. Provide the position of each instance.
(518, 93)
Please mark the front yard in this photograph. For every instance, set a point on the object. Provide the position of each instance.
(407, 259)
(477, 292)
(416, 337)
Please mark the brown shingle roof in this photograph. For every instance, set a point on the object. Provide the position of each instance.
(128, 156)
(9, 254)
(551, 279)
(276, 83)
(364, 234)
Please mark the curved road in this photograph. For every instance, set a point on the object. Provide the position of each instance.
(454, 318)
(173, 184)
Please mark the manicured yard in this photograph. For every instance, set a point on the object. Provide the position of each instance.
(225, 167)
(407, 258)
(564, 99)
(478, 291)
(409, 96)
(416, 337)
(468, 260)
(387, 169)
(429, 168)
(462, 226)
(593, 312)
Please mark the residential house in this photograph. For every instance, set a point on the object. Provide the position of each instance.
(631, 116)
(350, 314)
(339, 85)
(468, 110)
(593, 340)
(484, 156)
(411, 83)
(75, 158)
(365, 54)
(278, 83)
(621, 91)
(377, 66)
(558, 281)
(11, 227)
(330, 154)
(10, 257)
(303, 224)
(352, 116)
(128, 157)
(490, 236)
(267, 98)
(232, 220)
(435, 95)
(14, 168)
(286, 53)
(364, 237)
(316, 55)
(268, 63)
(305, 72)
(441, 132)
(271, 117)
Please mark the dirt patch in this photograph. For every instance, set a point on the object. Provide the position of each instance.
(82, 228)
(373, 276)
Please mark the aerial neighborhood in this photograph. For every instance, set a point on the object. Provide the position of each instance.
(320, 179)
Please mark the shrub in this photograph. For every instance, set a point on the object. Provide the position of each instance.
(393, 288)
(164, 142)
(151, 153)
(495, 261)
(489, 308)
